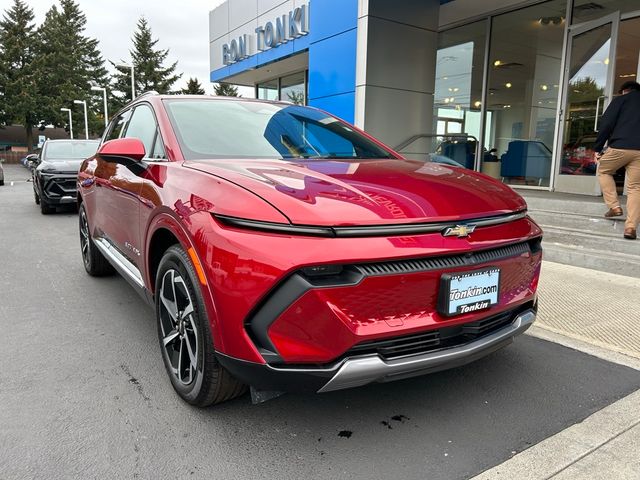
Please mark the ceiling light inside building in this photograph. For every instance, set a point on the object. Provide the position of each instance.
(497, 63)
(508, 85)
(551, 20)
(628, 75)
(477, 104)
(544, 87)
(606, 61)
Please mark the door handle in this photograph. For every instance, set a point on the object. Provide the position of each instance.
(595, 124)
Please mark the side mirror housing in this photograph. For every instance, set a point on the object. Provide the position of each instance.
(129, 148)
(124, 151)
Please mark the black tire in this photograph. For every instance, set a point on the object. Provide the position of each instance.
(1, 182)
(183, 320)
(46, 208)
(36, 197)
(94, 262)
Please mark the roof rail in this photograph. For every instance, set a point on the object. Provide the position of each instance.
(147, 93)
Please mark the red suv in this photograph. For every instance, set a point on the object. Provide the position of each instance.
(287, 250)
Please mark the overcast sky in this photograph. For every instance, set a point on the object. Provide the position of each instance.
(181, 26)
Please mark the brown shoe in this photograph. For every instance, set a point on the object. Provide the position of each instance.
(613, 212)
(630, 233)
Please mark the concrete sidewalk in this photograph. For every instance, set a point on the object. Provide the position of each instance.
(599, 314)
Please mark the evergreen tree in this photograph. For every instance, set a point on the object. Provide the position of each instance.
(225, 90)
(71, 63)
(19, 101)
(193, 87)
(148, 62)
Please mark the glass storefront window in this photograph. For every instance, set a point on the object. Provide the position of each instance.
(585, 10)
(628, 52)
(268, 90)
(292, 89)
(458, 89)
(523, 88)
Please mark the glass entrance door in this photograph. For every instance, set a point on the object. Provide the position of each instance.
(589, 80)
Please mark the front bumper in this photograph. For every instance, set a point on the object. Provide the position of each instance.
(355, 371)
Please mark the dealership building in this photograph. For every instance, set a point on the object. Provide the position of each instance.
(509, 87)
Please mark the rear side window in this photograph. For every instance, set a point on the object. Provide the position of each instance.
(143, 126)
(117, 126)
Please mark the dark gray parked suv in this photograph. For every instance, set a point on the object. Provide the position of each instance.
(55, 172)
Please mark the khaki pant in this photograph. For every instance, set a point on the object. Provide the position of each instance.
(612, 161)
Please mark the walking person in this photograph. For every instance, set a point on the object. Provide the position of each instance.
(620, 129)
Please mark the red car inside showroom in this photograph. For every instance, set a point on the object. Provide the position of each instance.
(284, 249)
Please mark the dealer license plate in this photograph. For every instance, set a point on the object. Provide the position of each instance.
(469, 291)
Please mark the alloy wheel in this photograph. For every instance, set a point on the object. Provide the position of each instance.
(84, 237)
(178, 327)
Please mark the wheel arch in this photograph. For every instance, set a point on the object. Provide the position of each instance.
(160, 241)
(163, 231)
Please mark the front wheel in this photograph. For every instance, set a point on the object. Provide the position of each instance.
(185, 336)
(46, 208)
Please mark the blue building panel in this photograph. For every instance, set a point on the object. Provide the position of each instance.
(341, 106)
(332, 65)
(332, 56)
(331, 17)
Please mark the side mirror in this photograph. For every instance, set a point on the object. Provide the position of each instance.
(124, 151)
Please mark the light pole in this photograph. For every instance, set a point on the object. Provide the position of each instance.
(86, 120)
(70, 121)
(104, 96)
(133, 83)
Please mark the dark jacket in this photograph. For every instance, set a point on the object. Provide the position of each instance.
(620, 124)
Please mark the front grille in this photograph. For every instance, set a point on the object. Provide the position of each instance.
(442, 338)
(437, 263)
(61, 187)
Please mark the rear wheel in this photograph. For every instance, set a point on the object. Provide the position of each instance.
(185, 336)
(94, 262)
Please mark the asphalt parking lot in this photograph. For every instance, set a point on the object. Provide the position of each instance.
(83, 392)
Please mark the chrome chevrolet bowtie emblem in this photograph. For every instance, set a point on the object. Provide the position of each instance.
(459, 231)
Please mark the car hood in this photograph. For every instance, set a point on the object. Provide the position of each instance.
(367, 192)
(60, 166)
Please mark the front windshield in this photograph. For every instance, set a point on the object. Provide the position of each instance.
(241, 129)
(60, 151)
